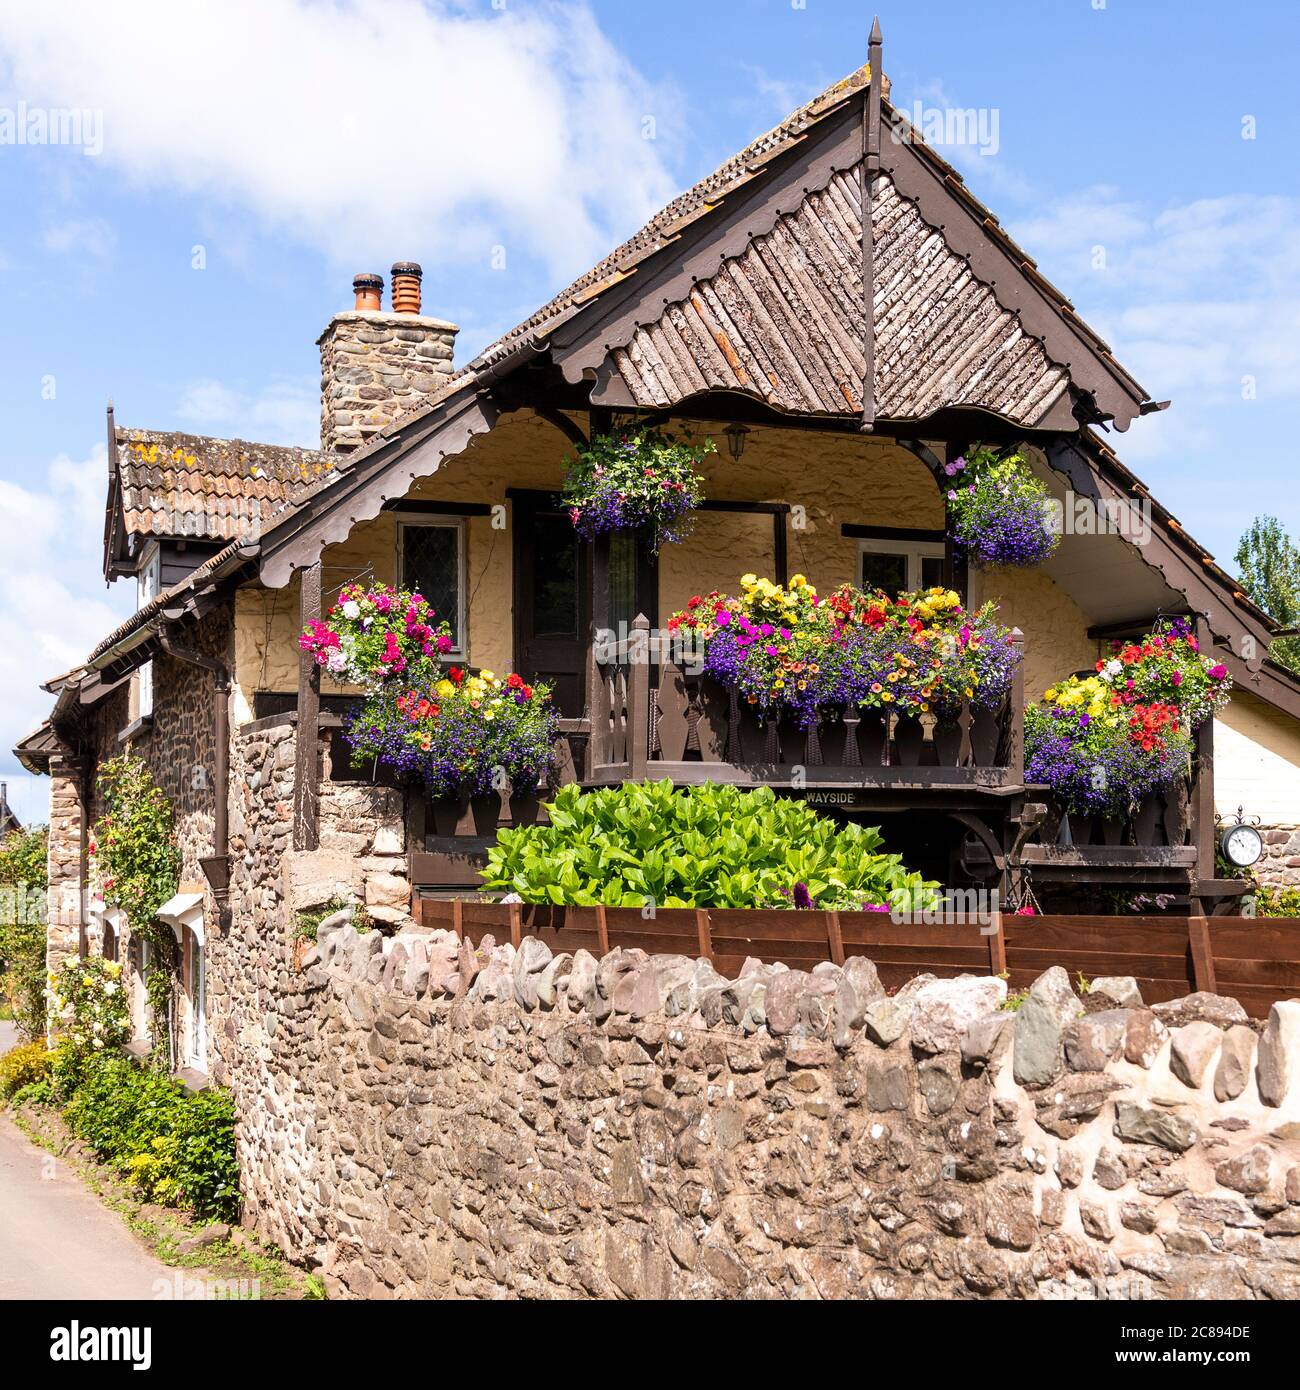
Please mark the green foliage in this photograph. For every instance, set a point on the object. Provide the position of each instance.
(22, 928)
(23, 1066)
(137, 865)
(307, 923)
(88, 998)
(1268, 561)
(176, 1146)
(137, 859)
(1271, 901)
(708, 846)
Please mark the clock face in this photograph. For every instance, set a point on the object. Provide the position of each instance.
(1242, 845)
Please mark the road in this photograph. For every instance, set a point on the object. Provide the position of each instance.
(56, 1240)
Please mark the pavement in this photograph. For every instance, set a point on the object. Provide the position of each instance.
(8, 1035)
(56, 1240)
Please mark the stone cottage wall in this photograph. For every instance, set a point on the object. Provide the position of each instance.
(418, 1119)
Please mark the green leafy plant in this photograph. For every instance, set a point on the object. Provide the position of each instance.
(709, 846)
(22, 928)
(1272, 901)
(23, 1066)
(137, 865)
(177, 1147)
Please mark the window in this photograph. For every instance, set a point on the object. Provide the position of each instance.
(194, 1014)
(431, 561)
(899, 565)
(148, 585)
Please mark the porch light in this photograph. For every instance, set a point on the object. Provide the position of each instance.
(736, 440)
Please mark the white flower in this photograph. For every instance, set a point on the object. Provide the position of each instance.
(352, 609)
(110, 988)
(1113, 668)
(336, 661)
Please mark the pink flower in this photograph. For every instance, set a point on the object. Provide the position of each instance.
(1219, 672)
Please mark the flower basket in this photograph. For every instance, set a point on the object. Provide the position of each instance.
(998, 511)
(377, 634)
(788, 654)
(640, 481)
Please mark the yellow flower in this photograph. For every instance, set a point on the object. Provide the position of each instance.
(445, 689)
(798, 582)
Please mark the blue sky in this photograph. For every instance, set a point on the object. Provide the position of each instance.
(254, 156)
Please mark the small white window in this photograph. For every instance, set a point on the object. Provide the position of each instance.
(148, 587)
(431, 562)
(194, 1032)
(898, 566)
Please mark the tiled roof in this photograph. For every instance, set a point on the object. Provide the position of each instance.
(216, 489)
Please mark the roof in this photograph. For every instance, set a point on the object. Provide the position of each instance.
(174, 485)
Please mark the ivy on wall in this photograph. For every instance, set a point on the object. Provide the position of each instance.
(137, 866)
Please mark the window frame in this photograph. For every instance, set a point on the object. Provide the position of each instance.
(914, 551)
(424, 521)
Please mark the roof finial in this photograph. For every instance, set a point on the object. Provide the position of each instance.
(876, 37)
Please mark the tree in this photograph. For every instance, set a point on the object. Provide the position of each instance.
(22, 929)
(1268, 561)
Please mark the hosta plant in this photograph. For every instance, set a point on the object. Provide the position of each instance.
(376, 634)
(643, 844)
(638, 480)
(998, 511)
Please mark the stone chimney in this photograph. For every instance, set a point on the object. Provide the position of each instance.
(375, 366)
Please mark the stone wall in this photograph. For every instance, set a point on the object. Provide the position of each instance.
(419, 1119)
(375, 367)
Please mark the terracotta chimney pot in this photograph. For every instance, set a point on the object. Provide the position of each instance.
(369, 290)
(406, 287)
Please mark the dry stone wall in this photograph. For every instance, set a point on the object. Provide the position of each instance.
(432, 1120)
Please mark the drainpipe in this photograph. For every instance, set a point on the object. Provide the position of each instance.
(216, 868)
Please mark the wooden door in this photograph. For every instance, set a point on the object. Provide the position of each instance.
(552, 599)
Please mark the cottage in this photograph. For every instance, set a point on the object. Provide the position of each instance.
(840, 375)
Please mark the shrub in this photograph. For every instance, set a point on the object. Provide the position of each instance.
(708, 846)
(1272, 901)
(177, 1147)
(22, 928)
(22, 1066)
(88, 997)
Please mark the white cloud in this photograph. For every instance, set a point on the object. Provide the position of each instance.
(370, 130)
(53, 606)
(87, 238)
(285, 412)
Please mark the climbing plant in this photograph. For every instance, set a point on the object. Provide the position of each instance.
(137, 867)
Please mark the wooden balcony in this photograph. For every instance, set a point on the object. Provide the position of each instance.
(654, 719)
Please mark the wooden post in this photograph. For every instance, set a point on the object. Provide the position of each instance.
(834, 937)
(1203, 802)
(997, 946)
(306, 785)
(703, 932)
(1016, 713)
(780, 552)
(1198, 938)
(870, 167)
(638, 699)
(516, 925)
(602, 930)
(598, 741)
(458, 919)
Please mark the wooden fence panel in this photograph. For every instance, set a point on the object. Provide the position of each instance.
(1255, 960)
